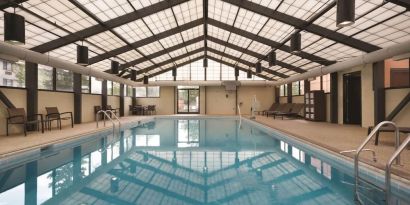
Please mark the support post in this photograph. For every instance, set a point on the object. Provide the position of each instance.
(289, 93)
(32, 90)
(104, 97)
(379, 92)
(77, 98)
(277, 94)
(333, 98)
(122, 101)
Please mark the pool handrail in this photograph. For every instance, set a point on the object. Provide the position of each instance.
(116, 118)
(361, 147)
(106, 115)
(395, 155)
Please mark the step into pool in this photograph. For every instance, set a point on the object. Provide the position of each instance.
(187, 160)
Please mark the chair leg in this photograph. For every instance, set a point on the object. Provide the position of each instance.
(7, 129)
(59, 123)
(376, 141)
(25, 129)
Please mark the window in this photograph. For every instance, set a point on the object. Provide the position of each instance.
(228, 73)
(326, 83)
(129, 91)
(153, 92)
(302, 87)
(183, 73)
(109, 87)
(115, 88)
(64, 80)
(45, 77)
(213, 72)
(315, 84)
(140, 92)
(197, 71)
(282, 90)
(12, 74)
(85, 84)
(295, 88)
(96, 86)
(150, 92)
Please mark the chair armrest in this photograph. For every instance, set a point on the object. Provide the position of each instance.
(17, 116)
(52, 114)
(71, 113)
(37, 115)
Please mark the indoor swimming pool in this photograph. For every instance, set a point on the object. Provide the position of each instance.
(186, 160)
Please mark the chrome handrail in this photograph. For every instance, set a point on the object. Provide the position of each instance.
(239, 110)
(116, 118)
(366, 150)
(358, 150)
(395, 155)
(106, 115)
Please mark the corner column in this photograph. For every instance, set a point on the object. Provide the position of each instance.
(32, 90)
(77, 98)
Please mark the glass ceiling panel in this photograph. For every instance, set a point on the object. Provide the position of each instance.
(229, 60)
(144, 64)
(276, 31)
(69, 52)
(161, 21)
(107, 9)
(178, 52)
(250, 21)
(195, 46)
(139, 4)
(232, 52)
(130, 55)
(216, 46)
(161, 58)
(339, 52)
(133, 31)
(221, 11)
(171, 40)
(188, 11)
(302, 9)
(61, 12)
(164, 76)
(259, 48)
(239, 40)
(107, 41)
(151, 48)
(193, 33)
(218, 33)
(102, 65)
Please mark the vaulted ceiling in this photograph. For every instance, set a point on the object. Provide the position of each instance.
(154, 36)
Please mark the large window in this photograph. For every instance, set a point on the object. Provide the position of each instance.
(129, 91)
(150, 92)
(321, 83)
(109, 87)
(12, 74)
(298, 88)
(228, 73)
(85, 84)
(115, 88)
(96, 86)
(283, 90)
(213, 72)
(64, 80)
(45, 77)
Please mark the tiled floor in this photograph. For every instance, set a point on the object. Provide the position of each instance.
(330, 136)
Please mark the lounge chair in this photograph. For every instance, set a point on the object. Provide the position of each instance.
(293, 112)
(54, 115)
(151, 110)
(17, 116)
(272, 108)
(281, 108)
(387, 128)
(114, 110)
(96, 109)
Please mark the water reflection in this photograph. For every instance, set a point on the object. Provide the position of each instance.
(131, 170)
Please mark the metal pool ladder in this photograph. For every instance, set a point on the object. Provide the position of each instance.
(112, 121)
(396, 155)
(361, 148)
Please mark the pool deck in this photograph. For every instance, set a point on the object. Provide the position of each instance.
(333, 137)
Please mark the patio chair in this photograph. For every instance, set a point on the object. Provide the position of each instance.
(281, 108)
(54, 115)
(96, 109)
(293, 112)
(17, 116)
(272, 108)
(386, 128)
(151, 109)
(114, 110)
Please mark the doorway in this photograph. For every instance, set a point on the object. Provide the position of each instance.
(188, 101)
(352, 98)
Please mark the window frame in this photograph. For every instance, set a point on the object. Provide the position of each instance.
(146, 92)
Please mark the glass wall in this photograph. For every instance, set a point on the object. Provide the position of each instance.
(85, 84)
(12, 74)
(96, 86)
(64, 81)
(45, 77)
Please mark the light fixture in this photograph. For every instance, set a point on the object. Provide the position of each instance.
(295, 43)
(133, 75)
(145, 79)
(272, 58)
(345, 14)
(82, 55)
(205, 62)
(258, 67)
(236, 72)
(14, 29)
(115, 66)
(249, 74)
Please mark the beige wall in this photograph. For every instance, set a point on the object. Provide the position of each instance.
(220, 102)
(62, 100)
(164, 104)
(264, 96)
(114, 101)
(87, 107)
(393, 98)
(127, 103)
(283, 99)
(298, 99)
(367, 94)
(18, 98)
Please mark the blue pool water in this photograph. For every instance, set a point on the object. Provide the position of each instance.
(184, 161)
